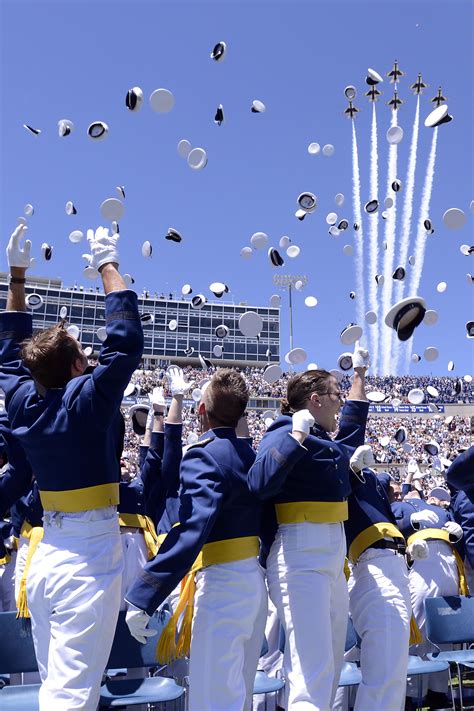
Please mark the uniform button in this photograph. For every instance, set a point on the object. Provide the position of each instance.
(331, 450)
(337, 466)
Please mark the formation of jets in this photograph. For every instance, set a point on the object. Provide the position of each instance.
(395, 73)
(373, 94)
(439, 98)
(395, 102)
(418, 86)
(351, 110)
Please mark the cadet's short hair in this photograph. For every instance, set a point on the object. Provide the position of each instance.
(49, 356)
(301, 386)
(226, 397)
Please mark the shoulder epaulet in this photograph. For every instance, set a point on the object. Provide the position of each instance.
(200, 443)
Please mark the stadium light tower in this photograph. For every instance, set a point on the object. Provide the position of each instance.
(287, 282)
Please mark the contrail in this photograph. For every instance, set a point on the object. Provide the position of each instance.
(359, 237)
(409, 190)
(373, 234)
(421, 234)
(390, 225)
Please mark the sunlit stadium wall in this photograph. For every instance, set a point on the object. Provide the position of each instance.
(85, 307)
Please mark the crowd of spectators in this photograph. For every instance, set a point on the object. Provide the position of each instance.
(452, 434)
(392, 387)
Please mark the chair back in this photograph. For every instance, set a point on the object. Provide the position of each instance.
(352, 638)
(17, 653)
(127, 652)
(450, 620)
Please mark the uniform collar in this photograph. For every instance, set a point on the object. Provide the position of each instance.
(220, 433)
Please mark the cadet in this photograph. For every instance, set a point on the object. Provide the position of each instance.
(460, 476)
(305, 474)
(218, 525)
(69, 425)
(439, 571)
(379, 598)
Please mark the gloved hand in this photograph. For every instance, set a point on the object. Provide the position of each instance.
(103, 248)
(137, 621)
(157, 399)
(418, 550)
(362, 457)
(178, 385)
(303, 420)
(423, 517)
(454, 530)
(18, 256)
(360, 358)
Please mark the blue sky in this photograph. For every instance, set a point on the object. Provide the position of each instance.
(77, 60)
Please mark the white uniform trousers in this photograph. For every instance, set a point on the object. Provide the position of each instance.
(135, 556)
(305, 572)
(434, 576)
(230, 609)
(73, 589)
(379, 603)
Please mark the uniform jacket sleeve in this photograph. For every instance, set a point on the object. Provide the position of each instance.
(172, 455)
(352, 423)
(279, 452)
(16, 482)
(461, 472)
(15, 327)
(119, 358)
(203, 486)
(402, 513)
(151, 475)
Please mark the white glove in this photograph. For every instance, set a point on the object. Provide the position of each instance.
(103, 248)
(425, 517)
(18, 256)
(418, 550)
(157, 399)
(454, 530)
(303, 420)
(177, 383)
(362, 457)
(360, 358)
(137, 621)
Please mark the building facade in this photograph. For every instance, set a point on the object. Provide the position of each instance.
(195, 327)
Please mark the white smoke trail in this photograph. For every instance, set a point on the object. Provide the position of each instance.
(373, 241)
(358, 236)
(421, 235)
(409, 189)
(389, 253)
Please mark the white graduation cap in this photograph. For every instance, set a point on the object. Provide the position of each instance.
(134, 99)
(161, 101)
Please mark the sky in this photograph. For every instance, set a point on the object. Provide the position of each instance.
(77, 60)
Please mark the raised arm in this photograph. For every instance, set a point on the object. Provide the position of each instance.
(461, 472)
(15, 324)
(122, 349)
(279, 452)
(202, 490)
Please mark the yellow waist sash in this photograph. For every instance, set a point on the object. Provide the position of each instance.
(312, 511)
(74, 500)
(214, 553)
(369, 536)
(440, 534)
(146, 525)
